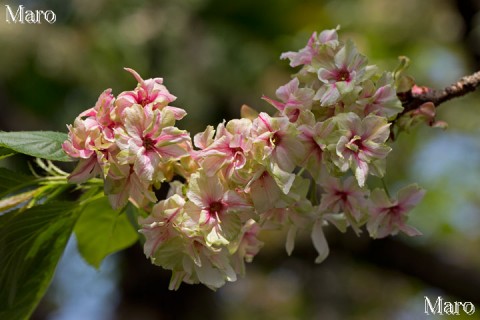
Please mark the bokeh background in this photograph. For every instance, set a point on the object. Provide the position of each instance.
(216, 55)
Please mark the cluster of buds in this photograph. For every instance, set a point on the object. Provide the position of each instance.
(301, 169)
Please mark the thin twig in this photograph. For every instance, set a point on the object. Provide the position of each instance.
(413, 99)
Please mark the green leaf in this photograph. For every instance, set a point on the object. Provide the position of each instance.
(10, 180)
(6, 152)
(31, 243)
(41, 144)
(101, 231)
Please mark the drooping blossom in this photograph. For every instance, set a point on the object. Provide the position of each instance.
(170, 243)
(344, 197)
(265, 191)
(163, 224)
(389, 216)
(248, 245)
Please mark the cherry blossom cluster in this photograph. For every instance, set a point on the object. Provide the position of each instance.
(302, 168)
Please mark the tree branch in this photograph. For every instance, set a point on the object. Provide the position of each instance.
(417, 96)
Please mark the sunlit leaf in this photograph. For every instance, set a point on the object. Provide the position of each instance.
(102, 231)
(41, 144)
(31, 243)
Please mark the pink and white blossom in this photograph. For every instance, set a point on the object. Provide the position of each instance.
(361, 144)
(380, 98)
(291, 171)
(315, 139)
(149, 92)
(228, 150)
(327, 38)
(146, 143)
(276, 141)
(389, 216)
(293, 99)
(342, 75)
(344, 197)
(215, 210)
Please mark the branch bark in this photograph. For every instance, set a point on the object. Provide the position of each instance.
(417, 96)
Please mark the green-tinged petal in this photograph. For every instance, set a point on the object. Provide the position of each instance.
(216, 237)
(319, 241)
(264, 193)
(204, 189)
(231, 226)
(380, 198)
(290, 243)
(170, 254)
(376, 128)
(283, 179)
(210, 276)
(410, 196)
(203, 139)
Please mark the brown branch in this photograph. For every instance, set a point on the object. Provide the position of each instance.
(414, 98)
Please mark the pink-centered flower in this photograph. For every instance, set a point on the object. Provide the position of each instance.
(362, 144)
(293, 99)
(92, 129)
(84, 137)
(172, 244)
(162, 224)
(229, 148)
(264, 191)
(123, 184)
(276, 141)
(341, 74)
(380, 99)
(344, 197)
(147, 143)
(91, 139)
(215, 209)
(389, 216)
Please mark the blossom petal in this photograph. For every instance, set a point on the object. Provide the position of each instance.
(319, 241)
